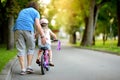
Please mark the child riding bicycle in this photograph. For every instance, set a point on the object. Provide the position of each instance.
(48, 34)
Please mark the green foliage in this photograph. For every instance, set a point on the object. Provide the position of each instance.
(14, 6)
(106, 13)
(68, 15)
(5, 56)
(98, 1)
(60, 11)
(3, 2)
(103, 21)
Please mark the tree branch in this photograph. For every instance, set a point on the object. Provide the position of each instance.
(102, 3)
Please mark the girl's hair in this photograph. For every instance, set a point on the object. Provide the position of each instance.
(33, 4)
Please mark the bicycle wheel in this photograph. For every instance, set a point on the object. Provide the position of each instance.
(42, 65)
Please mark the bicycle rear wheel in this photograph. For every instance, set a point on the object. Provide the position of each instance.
(42, 65)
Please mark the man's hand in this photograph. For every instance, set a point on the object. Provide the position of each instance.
(43, 39)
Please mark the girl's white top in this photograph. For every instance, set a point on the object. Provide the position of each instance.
(47, 36)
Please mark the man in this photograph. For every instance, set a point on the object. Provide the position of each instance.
(24, 35)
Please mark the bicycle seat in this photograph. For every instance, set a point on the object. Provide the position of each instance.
(44, 48)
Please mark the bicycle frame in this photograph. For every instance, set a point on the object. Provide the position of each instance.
(44, 60)
(46, 55)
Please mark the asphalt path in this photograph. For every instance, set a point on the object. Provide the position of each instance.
(75, 64)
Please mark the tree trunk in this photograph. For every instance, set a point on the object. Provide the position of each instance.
(3, 25)
(10, 42)
(118, 17)
(93, 42)
(85, 32)
(90, 29)
(73, 38)
(104, 38)
(96, 10)
(88, 37)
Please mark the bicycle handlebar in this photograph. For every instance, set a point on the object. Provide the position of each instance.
(59, 43)
(54, 40)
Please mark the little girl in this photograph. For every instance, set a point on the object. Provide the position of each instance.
(48, 34)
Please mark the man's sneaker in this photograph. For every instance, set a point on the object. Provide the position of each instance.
(29, 70)
(51, 64)
(22, 72)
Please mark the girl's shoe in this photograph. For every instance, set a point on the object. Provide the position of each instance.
(37, 61)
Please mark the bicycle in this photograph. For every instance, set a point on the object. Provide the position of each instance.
(45, 59)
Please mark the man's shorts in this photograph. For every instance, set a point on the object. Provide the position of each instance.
(24, 41)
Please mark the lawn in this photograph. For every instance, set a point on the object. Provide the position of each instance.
(110, 46)
(6, 56)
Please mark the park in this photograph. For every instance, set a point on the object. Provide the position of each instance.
(89, 31)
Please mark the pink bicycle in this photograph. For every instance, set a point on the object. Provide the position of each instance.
(45, 58)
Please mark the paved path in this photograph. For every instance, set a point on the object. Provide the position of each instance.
(75, 64)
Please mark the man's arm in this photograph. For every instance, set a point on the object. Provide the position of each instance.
(40, 30)
(38, 27)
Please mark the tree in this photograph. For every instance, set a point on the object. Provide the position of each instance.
(106, 23)
(10, 22)
(91, 20)
(74, 13)
(118, 19)
(67, 14)
(8, 12)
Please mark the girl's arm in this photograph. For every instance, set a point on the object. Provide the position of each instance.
(53, 35)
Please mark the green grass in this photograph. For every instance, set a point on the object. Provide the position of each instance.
(110, 46)
(6, 56)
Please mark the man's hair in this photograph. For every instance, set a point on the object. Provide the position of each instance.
(33, 4)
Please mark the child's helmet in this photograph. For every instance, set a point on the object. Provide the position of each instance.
(44, 21)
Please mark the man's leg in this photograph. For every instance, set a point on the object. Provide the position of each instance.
(22, 64)
(30, 42)
(29, 59)
(29, 63)
(21, 61)
(20, 45)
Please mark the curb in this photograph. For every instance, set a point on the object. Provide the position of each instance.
(6, 73)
